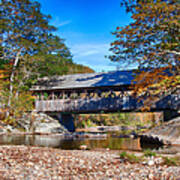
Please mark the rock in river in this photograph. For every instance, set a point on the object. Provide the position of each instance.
(46, 124)
(167, 133)
(38, 123)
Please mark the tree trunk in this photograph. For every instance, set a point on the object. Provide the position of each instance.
(12, 80)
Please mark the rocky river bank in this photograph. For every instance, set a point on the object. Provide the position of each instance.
(33, 123)
(39, 163)
(35, 163)
(167, 133)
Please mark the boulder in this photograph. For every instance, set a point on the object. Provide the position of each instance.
(168, 133)
(51, 127)
(38, 123)
(6, 128)
(42, 123)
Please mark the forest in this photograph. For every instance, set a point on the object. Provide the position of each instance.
(28, 50)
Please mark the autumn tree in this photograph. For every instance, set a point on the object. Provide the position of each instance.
(24, 29)
(28, 50)
(27, 42)
(151, 42)
(53, 58)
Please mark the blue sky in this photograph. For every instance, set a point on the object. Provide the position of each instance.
(86, 25)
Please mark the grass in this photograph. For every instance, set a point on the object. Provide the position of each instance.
(130, 157)
(171, 161)
(135, 159)
(149, 153)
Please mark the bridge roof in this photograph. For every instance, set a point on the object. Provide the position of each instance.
(90, 80)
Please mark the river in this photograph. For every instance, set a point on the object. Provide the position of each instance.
(106, 141)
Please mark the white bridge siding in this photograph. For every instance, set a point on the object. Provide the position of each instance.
(126, 103)
(86, 105)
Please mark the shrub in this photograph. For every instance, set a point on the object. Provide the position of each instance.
(130, 157)
(149, 153)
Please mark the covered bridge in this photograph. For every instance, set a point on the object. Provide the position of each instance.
(94, 92)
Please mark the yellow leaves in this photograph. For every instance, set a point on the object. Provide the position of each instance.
(140, 16)
(4, 73)
(20, 104)
(151, 85)
(175, 22)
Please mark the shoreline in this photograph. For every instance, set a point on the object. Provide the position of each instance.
(35, 163)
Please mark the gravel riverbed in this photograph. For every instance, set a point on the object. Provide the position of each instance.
(39, 163)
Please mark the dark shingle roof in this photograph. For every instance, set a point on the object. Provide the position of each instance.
(114, 78)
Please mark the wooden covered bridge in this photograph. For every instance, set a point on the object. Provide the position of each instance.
(93, 93)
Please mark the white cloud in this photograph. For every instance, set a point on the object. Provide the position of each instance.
(58, 23)
(83, 50)
(89, 52)
(92, 55)
(63, 23)
(102, 67)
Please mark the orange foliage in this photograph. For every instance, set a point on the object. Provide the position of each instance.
(3, 74)
(151, 85)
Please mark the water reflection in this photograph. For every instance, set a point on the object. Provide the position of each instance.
(59, 141)
(36, 140)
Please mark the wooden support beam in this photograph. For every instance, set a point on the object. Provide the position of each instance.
(53, 97)
(42, 96)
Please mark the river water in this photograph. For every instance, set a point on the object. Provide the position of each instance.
(61, 142)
